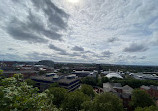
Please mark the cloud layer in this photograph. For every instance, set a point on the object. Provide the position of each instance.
(101, 31)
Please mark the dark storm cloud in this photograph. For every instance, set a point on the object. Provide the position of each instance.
(34, 30)
(134, 47)
(77, 48)
(107, 54)
(113, 39)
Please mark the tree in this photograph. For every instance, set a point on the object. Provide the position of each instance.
(1, 75)
(88, 90)
(89, 80)
(104, 102)
(54, 85)
(140, 98)
(151, 108)
(74, 100)
(15, 94)
(42, 72)
(30, 82)
(1, 72)
(57, 95)
(104, 79)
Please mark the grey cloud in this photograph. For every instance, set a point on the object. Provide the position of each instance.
(11, 49)
(77, 48)
(134, 47)
(34, 30)
(19, 31)
(39, 56)
(154, 39)
(59, 50)
(84, 57)
(143, 57)
(9, 56)
(51, 46)
(131, 57)
(113, 39)
(36, 24)
(55, 15)
(75, 54)
(107, 54)
(63, 52)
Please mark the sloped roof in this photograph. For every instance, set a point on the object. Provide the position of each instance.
(127, 89)
(145, 87)
(108, 87)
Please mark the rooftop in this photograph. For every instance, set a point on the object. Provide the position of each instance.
(111, 75)
(60, 79)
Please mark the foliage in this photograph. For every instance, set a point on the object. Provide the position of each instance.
(141, 99)
(30, 82)
(151, 108)
(15, 94)
(88, 90)
(104, 102)
(54, 85)
(134, 83)
(104, 79)
(57, 95)
(1, 72)
(1, 75)
(89, 80)
(42, 72)
(74, 100)
(94, 81)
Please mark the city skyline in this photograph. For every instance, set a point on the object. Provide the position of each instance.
(88, 31)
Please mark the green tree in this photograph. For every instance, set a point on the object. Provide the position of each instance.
(30, 82)
(74, 100)
(151, 108)
(140, 98)
(54, 85)
(57, 95)
(42, 72)
(88, 90)
(1, 72)
(1, 75)
(89, 80)
(104, 79)
(15, 94)
(103, 102)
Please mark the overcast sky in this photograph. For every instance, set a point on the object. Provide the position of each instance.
(92, 31)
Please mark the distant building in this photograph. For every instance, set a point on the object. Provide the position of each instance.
(98, 68)
(151, 90)
(93, 74)
(123, 92)
(47, 63)
(114, 75)
(141, 76)
(81, 73)
(26, 73)
(70, 82)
